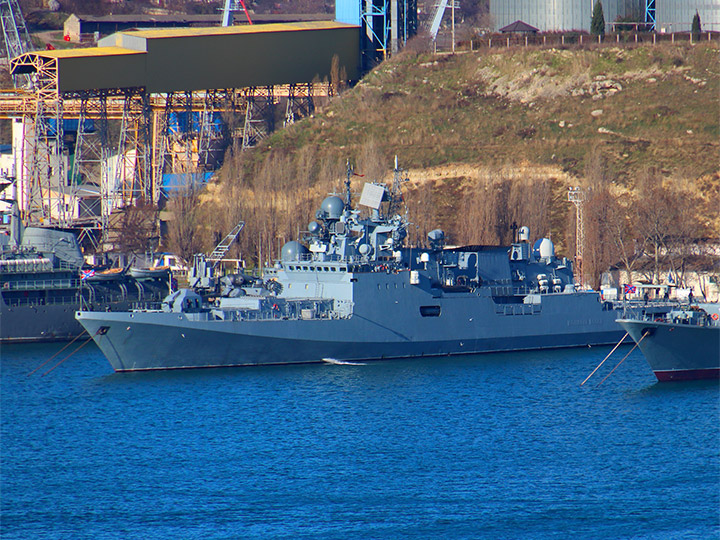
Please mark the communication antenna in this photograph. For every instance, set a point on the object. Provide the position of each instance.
(576, 195)
(349, 171)
(396, 192)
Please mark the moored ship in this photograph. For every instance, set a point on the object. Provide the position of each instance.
(357, 292)
(42, 285)
(681, 345)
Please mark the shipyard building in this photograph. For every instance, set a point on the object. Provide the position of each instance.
(576, 15)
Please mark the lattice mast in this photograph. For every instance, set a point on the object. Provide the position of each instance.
(576, 195)
(16, 38)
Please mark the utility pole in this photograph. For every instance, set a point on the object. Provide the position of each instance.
(452, 11)
(576, 195)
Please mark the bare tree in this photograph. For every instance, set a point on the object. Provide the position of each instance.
(666, 221)
(183, 237)
(619, 229)
(601, 244)
(138, 231)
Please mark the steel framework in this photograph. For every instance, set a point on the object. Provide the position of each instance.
(576, 195)
(16, 38)
(650, 15)
(123, 145)
(376, 22)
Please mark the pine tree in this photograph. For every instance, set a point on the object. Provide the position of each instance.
(597, 26)
(696, 28)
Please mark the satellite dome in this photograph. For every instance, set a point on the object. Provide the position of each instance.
(313, 227)
(333, 207)
(292, 250)
(524, 234)
(544, 248)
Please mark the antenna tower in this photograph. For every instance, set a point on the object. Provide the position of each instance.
(576, 195)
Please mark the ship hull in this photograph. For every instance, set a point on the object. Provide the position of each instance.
(40, 323)
(156, 340)
(677, 352)
(46, 315)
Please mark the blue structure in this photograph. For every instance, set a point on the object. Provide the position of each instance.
(69, 126)
(173, 182)
(385, 25)
(348, 11)
(181, 122)
(650, 15)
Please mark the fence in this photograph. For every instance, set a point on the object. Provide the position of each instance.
(574, 39)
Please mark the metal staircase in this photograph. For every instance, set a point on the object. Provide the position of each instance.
(223, 247)
(437, 18)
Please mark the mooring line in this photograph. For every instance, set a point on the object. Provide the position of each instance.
(608, 356)
(621, 361)
(57, 353)
(69, 355)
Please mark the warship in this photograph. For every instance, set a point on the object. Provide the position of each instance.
(681, 345)
(43, 283)
(355, 291)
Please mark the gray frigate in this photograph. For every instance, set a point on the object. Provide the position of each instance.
(354, 291)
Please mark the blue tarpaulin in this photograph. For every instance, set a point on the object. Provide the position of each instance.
(174, 182)
(178, 122)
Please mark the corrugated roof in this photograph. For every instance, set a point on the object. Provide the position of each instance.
(84, 52)
(209, 19)
(181, 17)
(233, 30)
(170, 60)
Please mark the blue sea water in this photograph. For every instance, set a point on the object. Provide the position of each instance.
(504, 446)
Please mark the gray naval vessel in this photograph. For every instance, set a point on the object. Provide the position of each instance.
(355, 291)
(42, 285)
(681, 345)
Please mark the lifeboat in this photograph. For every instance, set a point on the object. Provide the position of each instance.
(152, 272)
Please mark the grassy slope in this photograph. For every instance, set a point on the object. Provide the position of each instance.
(506, 108)
(452, 119)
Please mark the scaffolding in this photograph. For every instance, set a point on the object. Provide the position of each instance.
(123, 141)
